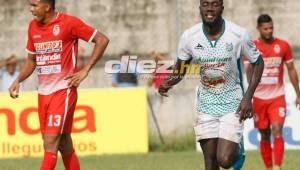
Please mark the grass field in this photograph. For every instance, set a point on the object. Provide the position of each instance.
(153, 161)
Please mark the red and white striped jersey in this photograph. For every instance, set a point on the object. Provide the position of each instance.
(55, 46)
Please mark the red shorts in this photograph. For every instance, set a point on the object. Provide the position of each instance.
(56, 111)
(269, 111)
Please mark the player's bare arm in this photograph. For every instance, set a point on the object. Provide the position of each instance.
(101, 42)
(255, 72)
(294, 80)
(173, 78)
(26, 71)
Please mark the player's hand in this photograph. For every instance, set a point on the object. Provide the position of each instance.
(298, 102)
(14, 89)
(245, 109)
(75, 79)
(163, 89)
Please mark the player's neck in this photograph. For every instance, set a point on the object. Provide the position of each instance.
(49, 17)
(214, 30)
(267, 41)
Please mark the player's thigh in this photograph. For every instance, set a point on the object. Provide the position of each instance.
(206, 126)
(209, 148)
(43, 101)
(60, 112)
(230, 128)
(227, 152)
(261, 117)
(277, 111)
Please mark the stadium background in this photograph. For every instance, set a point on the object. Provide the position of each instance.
(142, 26)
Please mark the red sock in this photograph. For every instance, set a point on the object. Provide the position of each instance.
(266, 153)
(278, 150)
(49, 161)
(71, 161)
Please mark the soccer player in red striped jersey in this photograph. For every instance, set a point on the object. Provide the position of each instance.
(269, 104)
(52, 48)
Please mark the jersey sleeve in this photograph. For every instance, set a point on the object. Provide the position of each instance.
(30, 45)
(81, 30)
(249, 49)
(183, 52)
(288, 56)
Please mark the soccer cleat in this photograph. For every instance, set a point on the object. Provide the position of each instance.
(242, 156)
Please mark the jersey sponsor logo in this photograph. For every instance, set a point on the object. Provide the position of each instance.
(48, 47)
(45, 70)
(214, 78)
(269, 80)
(48, 59)
(277, 48)
(272, 61)
(56, 30)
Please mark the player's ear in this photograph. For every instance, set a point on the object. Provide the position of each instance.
(48, 7)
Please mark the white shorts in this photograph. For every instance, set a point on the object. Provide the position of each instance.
(226, 127)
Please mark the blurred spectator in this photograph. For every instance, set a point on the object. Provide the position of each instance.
(8, 72)
(128, 79)
(157, 78)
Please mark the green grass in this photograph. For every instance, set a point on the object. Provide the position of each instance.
(153, 161)
(172, 143)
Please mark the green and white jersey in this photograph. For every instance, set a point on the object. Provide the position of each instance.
(221, 83)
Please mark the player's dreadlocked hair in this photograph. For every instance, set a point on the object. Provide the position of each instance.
(264, 18)
(51, 2)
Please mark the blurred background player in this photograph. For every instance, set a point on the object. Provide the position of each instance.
(157, 78)
(222, 103)
(8, 72)
(52, 48)
(269, 103)
(127, 79)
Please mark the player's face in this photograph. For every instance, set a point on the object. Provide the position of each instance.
(211, 11)
(10, 68)
(266, 30)
(38, 9)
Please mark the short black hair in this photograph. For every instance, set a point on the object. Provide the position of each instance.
(221, 1)
(264, 18)
(51, 2)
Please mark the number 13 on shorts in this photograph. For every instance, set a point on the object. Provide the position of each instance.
(54, 120)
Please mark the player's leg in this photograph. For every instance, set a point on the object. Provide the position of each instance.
(68, 153)
(239, 163)
(227, 153)
(207, 131)
(50, 142)
(66, 144)
(277, 113)
(262, 123)
(265, 147)
(230, 136)
(209, 149)
(278, 144)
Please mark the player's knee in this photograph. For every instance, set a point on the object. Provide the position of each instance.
(277, 131)
(51, 142)
(265, 134)
(225, 161)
